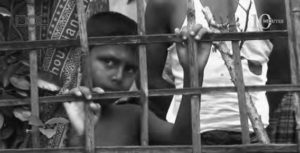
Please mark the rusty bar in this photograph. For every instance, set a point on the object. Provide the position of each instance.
(146, 39)
(194, 76)
(240, 85)
(258, 148)
(86, 72)
(34, 94)
(143, 75)
(157, 92)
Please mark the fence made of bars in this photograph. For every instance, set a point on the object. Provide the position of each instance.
(292, 34)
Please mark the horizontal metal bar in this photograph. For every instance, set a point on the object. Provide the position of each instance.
(67, 98)
(152, 93)
(23, 45)
(210, 90)
(253, 148)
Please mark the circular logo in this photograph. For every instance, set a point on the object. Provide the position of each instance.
(265, 21)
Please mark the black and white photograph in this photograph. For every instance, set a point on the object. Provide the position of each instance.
(149, 76)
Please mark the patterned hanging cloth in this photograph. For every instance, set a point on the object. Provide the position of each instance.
(60, 66)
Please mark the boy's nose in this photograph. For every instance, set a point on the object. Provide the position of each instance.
(118, 75)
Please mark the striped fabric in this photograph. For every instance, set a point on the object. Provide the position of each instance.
(282, 128)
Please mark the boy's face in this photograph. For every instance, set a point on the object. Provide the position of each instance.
(114, 67)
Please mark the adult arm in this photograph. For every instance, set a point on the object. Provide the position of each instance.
(157, 22)
(180, 132)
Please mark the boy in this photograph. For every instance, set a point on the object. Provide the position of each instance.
(114, 68)
(128, 8)
(220, 121)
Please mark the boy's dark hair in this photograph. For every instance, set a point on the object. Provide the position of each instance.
(110, 24)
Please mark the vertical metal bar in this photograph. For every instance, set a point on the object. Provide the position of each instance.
(34, 94)
(293, 24)
(194, 74)
(239, 76)
(143, 74)
(96, 6)
(86, 68)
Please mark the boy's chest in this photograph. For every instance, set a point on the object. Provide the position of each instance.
(117, 131)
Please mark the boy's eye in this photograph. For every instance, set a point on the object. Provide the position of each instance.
(131, 69)
(109, 62)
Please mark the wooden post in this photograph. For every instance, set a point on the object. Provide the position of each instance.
(239, 76)
(194, 74)
(34, 94)
(96, 6)
(143, 75)
(86, 68)
(293, 24)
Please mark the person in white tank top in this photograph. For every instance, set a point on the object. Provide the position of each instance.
(220, 111)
